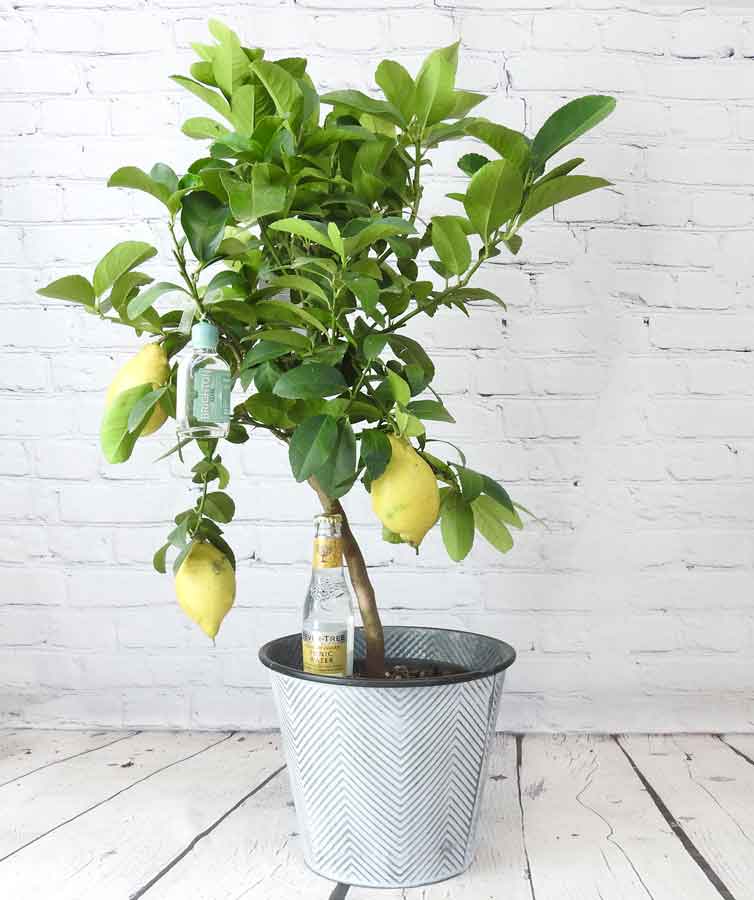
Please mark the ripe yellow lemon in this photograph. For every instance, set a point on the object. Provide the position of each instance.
(405, 497)
(206, 587)
(149, 366)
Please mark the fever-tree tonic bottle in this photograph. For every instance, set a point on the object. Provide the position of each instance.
(327, 633)
(203, 396)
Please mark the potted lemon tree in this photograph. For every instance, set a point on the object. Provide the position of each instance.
(302, 250)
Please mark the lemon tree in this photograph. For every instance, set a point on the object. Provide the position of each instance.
(300, 232)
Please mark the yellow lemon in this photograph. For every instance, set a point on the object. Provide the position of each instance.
(405, 497)
(149, 366)
(206, 587)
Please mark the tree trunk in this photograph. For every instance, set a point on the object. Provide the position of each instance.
(370, 616)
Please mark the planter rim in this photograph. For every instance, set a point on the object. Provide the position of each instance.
(267, 654)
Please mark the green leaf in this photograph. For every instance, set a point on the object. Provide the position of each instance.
(457, 526)
(429, 410)
(398, 86)
(138, 180)
(500, 496)
(147, 299)
(435, 85)
(375, 451)
(511, 145)
(451, 244)
(292, 339)
(377, 230)
(230, 64)
(201, 128)
(336, 476)
(310, 381)
(158, 560)
(556, 190)
(270, 410)
(367, 292)
(399, 388)
(219, 506)
(264, 351)
(281, 86)
(116, 440)
(142, 409)
(203, 218)
(72, 287)
(361, 103)
(164, 175)
(464, 102)
(303, 228)
(301, 284)
(178, 561)
(568, 123)
(472, 483)
(373, 345)
(281, 311)
(489, 524)
(494, 195)
(215, 100)
(470, 163)
(563, 169)
(265, 195)
(469, 294)
(412, 353)
(121, 259)
(311, 445)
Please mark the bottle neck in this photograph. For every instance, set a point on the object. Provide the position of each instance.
(327, 556)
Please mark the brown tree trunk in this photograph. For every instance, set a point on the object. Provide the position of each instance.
(370, 616)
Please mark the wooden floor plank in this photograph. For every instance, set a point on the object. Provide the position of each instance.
(255, 854)
(25, 751)
(118, 847)
(743, 743)
(709, 790)
(34, 805)
(591, 830)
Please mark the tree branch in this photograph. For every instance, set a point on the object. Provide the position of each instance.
(370, 616)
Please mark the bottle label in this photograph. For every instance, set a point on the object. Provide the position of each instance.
(211, 396)
(324, 652)
(328, 553)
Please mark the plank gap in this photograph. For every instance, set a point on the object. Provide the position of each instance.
(111, 797)
(738, 752)
(202, 834)
(519, 760)
(55, 762)
(686, 842)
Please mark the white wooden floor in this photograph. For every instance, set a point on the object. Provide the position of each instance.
(120, 816)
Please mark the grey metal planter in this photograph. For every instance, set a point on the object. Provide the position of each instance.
(387, 776)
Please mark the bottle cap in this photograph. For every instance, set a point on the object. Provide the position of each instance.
(204, 335)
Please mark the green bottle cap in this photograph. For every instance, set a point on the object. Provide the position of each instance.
(204, 335)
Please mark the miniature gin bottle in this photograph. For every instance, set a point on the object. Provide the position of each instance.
(327, 634)
(203, 402)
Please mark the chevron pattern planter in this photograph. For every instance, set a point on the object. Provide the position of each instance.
(388, 776)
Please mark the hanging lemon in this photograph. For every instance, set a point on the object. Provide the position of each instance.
(149, 366)
(405, 497)
(206, 587)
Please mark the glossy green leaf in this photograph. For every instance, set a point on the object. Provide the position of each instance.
(378, 230)
(263, 351)
(164, 175)
(400, 390)
(511, 145)
(336, 475)
(493, 196)
(121, 259)
(472, 483)
(398, 86)
(201, 128)
(311, 445)
(411, 353)
(145, 300)
(116, 440)
(158, 560)
(270, 410)
(361, 103)
(451, 244)
(310, 231)
(213, 98)
(373, 345)
(489, 524)
(375, 451)
(281, 311)
(302, 284)
(435, 85)
(203, 218)
(563, 169)
(281, 86)
(75, 288)
(219, 506)
(429, 410)
(457, 526)
(138, 180)
(264, 195)
(568, 123)
(547, 193)
(141, 411)
(470, 163)
(464, 102)
(310, 381)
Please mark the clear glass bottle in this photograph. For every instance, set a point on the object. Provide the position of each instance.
(203, 395)
(327, 634)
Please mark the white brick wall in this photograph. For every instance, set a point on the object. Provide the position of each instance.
(615, 397)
